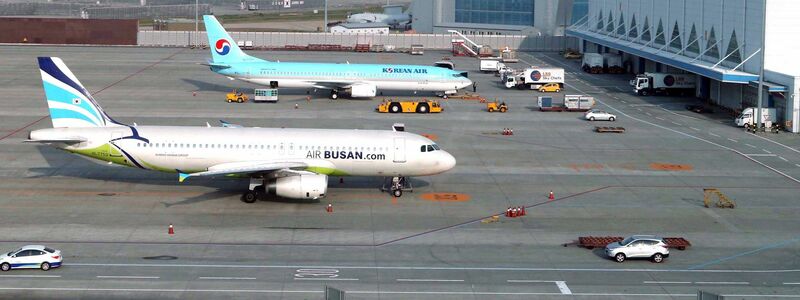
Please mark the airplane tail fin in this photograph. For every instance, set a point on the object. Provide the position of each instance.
(71, 105)
(223, 48)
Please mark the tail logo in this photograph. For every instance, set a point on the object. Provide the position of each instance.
(222, 47)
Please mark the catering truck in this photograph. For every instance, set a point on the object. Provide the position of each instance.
(491, 65)
(534, 77)
(655, 83)
(747, 118)
(592, 63)
(613, 63)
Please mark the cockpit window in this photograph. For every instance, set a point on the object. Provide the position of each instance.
(422, 149)
(435, 146)
(430, 148)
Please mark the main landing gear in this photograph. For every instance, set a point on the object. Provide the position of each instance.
(334, 94)
(396, 186)
(256, 191)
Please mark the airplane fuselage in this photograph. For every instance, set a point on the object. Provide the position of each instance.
(195, 149)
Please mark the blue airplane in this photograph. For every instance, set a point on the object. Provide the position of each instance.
(359, 80)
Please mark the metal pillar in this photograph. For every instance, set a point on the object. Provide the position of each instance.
(761, 69)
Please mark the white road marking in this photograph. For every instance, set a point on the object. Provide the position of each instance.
(765, 150)
(751, 146)
(127, 277)
(660, 118)
(695, 129)
(30, 276)
(429, 280)
(714, 134)
(227, 278)
(226, 266)
(797, 165)
(562, 286)
(668, 282)
(774, 142)
(326, 279)
(639, 109)
(721, 282)
(760, 155)
(649, 114)
(677, 124)
(791, 283)
(732, 140)
(783, 159)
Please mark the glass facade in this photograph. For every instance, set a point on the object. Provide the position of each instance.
(504, 12)
(580, 8)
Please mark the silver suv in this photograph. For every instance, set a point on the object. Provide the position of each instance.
(638, 246)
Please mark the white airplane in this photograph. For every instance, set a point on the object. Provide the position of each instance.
(392, 15)
(290, 163)
(360, 80)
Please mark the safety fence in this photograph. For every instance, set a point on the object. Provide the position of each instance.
(271, 40)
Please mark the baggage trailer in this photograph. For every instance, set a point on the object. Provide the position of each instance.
(569, 103)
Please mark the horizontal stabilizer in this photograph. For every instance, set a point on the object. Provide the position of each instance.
(73, 140)
(216, 65)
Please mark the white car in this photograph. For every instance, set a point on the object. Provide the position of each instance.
(31, 257)
(596, 114)
(638, 246)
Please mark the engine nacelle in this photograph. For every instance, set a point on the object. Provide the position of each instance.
(363, 90)
(311, 186)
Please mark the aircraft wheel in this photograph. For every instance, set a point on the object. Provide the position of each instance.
(397, 193)
(334, 95)
(250, 197)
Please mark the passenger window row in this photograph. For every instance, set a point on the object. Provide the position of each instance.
(261, 147)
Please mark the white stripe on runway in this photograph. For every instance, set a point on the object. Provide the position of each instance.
(732, 140)
(668, 282)
(783, 159)
(695, 129)
(677, 124)
(760, 155)
(751, 146)
(562, 286)
(327, 279)
(791, 283)
(714, 134)
(721, 282)
(429, 280)
(30, 276)
(660, 118)
(127, 277)
(227, 278)
(765, 150)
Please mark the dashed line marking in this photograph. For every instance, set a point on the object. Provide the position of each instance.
(127, 277)
(660, 118)
(226, 278)
(765, 150)
(722, 282)
(695, 129)
(797, 165)
(714, 134)
(429, 280)
(751, 146)
(760, 155)
(668, 282)
(30, 276)
(732, 140)
(783, 159)
(649, 114)
(327, 279)
(791, 283)
(677, 124)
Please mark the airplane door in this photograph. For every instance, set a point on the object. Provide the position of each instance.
(399, 150)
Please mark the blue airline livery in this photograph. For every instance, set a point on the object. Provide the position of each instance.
(359, 80)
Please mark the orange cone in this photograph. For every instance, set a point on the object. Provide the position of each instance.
(194, 94)
(296, 106)
(329, 208)
(508, 212)
(511, 131)
(552, 196)
(171, 229)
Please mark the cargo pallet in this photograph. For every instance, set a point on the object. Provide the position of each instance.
(602, 129)
(591, 242)
(561, 108)
(468, 96)
(362, 48)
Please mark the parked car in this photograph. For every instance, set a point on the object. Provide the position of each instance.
(599, 115)
(638, 246)
(31, 257)
(699, 109)
(550, 88)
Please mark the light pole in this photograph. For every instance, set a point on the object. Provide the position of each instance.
(325, 26)
(196, 27)
(761, 69)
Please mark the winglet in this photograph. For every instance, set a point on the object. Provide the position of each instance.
(183, 176)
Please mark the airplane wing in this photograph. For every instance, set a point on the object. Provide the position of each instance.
(279, 169)
(333, 84)
(229, 125)
(72, 140)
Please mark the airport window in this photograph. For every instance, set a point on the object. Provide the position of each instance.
(506, 12)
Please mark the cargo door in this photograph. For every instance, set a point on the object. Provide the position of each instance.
(399, 150)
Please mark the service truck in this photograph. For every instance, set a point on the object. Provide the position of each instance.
(613, 63)
(266, 95)
(592, 63)
(533, 78)
(748, 117)
(491, 65)
(652, 83)
(569, 103)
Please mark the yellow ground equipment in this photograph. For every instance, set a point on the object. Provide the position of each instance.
(550, 88)
(496, 106)
(572, 54)
(723, 202)
(236, 96)
(422, 107)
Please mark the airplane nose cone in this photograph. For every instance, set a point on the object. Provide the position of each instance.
(447, 161)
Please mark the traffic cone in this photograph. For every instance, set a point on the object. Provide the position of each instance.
(511, 131)
(296, 106)
(514, 212)
(552, 196)
(523, 211)
(329, 208)
(194, 94)
(508, 212)
(171, 229)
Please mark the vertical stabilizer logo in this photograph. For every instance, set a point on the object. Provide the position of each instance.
(222, 46)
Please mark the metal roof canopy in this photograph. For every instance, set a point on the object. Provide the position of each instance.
(668, 58)
(771, 87)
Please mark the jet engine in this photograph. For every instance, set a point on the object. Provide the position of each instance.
(307, 186)
(363, 90)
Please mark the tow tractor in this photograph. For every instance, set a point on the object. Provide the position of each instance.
(496, 106)
(422, 107)
(236, 96)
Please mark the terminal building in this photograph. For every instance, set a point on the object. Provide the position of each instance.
(492, 17)
(717, 40)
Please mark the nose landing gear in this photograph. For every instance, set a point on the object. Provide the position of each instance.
(396, 186)
(256, 191)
